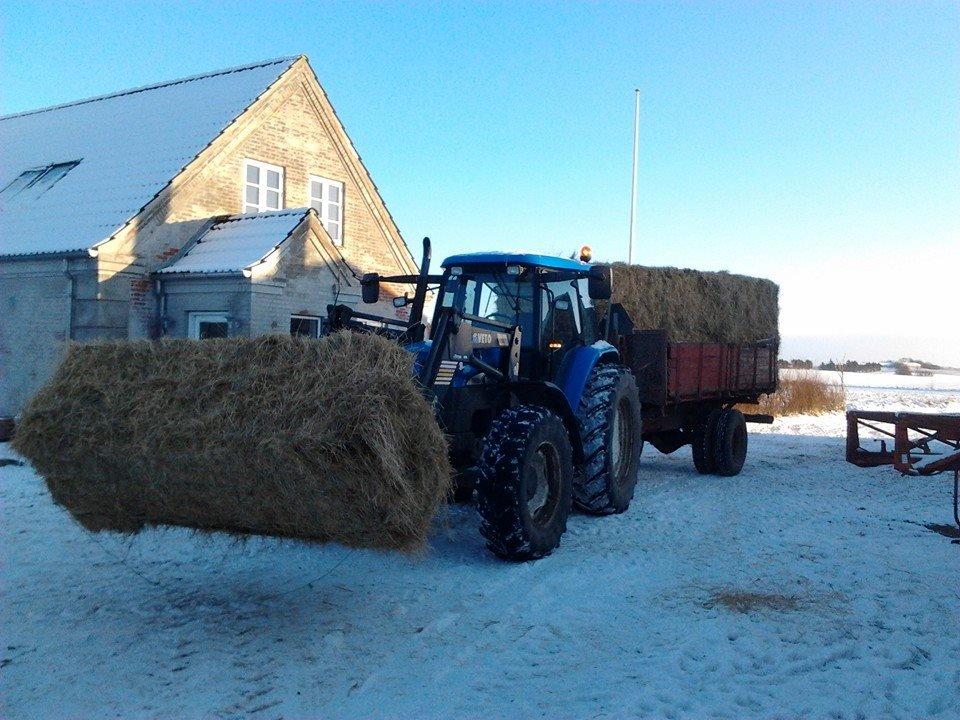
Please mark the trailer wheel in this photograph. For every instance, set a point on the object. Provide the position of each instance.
(730, 443)
(702, 445)
(525, 483)
(610, 427)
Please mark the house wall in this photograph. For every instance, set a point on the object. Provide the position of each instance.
(302, 282)
(37, 299)
(102, 299)
(185, 294)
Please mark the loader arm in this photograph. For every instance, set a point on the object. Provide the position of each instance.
(405, 331)
(370, 286)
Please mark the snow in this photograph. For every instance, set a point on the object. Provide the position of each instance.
(937, 382)
(130, 145)
(621, 621)
(239, 242)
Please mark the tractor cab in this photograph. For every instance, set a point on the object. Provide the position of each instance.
(507, 328)
(545, 300)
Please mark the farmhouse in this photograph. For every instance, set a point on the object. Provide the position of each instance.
(230, 203)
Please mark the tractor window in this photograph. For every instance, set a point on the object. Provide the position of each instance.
(588, 313)
(560, 309)
(497, 296)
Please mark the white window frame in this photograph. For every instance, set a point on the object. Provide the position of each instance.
(323, 211)
(195, 318)
(311, 317)
(261, 186)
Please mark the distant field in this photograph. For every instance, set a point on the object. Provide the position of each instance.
(887, 391)
(946, 381)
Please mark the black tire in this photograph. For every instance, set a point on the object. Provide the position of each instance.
(702, 445)
(611, 430)
(525, 483)
(730, 443)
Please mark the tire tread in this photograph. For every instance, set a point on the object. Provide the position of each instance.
(499, 500)
(591, 493)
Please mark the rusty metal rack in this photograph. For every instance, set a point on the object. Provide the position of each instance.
(923, 444)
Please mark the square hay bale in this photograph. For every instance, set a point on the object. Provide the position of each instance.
(326, 440)
(698, 306)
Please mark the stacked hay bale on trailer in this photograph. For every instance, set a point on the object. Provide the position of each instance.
(698, 306)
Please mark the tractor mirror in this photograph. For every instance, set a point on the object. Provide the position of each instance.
(401, 301)
(370, 287)
(600, 282)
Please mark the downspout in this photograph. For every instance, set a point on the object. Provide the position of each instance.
(161, 307)
(71, 288)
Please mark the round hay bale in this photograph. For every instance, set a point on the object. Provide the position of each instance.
(326, 440)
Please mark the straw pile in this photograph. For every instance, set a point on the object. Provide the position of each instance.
(696, 306)
(327, 439)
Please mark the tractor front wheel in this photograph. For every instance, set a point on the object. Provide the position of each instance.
(525, 483)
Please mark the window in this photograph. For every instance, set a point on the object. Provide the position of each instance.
(33, 183)
(206, 325)
(497, 296)
(326, 197)
(262, 186)
(305, 325)
(559, 307)
(588, 313)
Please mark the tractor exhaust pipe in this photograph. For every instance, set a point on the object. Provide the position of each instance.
(420, 294)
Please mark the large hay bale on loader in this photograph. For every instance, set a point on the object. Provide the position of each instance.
(328, 440)
(698, 306)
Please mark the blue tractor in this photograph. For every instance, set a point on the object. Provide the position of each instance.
(540, 412)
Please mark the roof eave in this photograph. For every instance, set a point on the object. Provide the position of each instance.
(49, 255)
(182, 273)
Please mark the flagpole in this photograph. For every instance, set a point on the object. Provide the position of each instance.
(633, 176)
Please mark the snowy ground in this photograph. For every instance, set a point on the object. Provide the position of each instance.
(624, 620)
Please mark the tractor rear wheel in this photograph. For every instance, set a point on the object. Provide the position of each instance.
(702, 445)
(524, 483)
(610, 427)
(730, 443)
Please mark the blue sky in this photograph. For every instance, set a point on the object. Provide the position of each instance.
(814, 143)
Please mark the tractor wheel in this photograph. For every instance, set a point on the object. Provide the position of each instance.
(524, 483)
(702, 445)
(730, 443)
(610, 427)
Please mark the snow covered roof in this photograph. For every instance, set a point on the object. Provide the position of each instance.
(127, 146)
(238, 243)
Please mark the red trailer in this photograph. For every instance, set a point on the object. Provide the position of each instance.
(688, 391)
